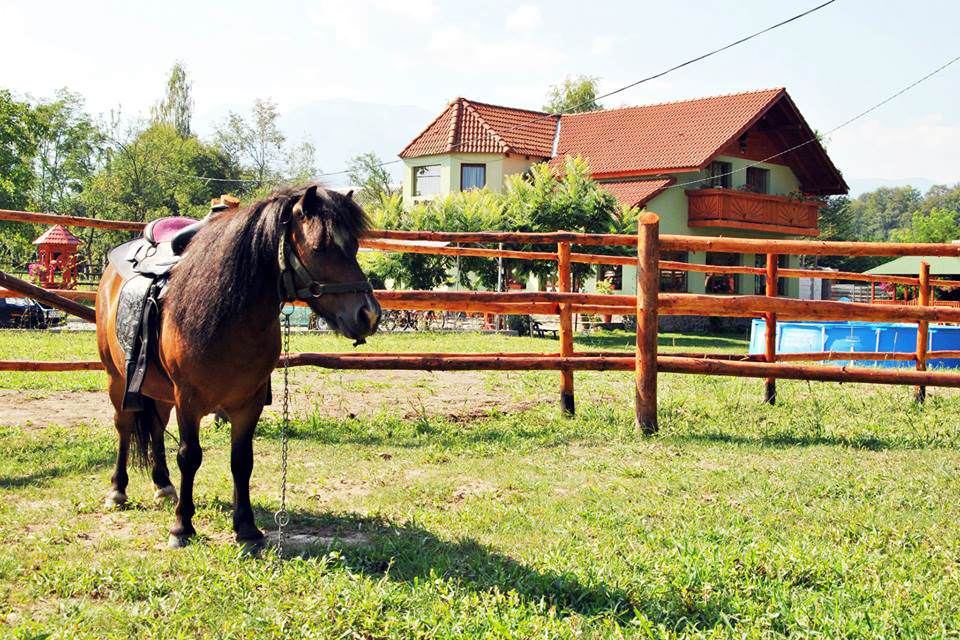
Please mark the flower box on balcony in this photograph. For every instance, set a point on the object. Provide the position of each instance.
(756, 211)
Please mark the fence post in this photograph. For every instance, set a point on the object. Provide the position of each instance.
(648, 289)
(564, 284)
(920, 391)
(770, 344)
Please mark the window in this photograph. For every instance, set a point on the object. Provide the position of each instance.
(673, 280)
(426, 180)
(758, 180)
(473, 176)
(722, 282)
(720, 177)
(760, 282)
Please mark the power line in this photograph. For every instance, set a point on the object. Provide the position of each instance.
(843, 124)
(575, 107)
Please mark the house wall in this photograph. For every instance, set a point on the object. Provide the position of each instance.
(498, 166)
(671, 206)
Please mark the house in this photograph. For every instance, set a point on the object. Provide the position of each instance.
(744, 164)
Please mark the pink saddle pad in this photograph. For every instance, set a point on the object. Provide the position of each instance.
(164, 229)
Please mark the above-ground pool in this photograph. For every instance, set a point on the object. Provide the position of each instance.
(860, 337)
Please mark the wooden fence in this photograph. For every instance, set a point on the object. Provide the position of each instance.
(648, 305)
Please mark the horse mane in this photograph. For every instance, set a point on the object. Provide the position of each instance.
(232, 261)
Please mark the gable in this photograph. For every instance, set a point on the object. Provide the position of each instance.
(466, 126)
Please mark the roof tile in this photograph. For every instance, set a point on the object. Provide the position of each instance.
(635, 193)
(673, 135)
(57, 234)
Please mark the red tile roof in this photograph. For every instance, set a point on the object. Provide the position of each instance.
(57, 234)
(660, 137)
(637, 141)
(635, 193)
(475, 127)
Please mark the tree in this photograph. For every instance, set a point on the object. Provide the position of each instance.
(939, 225)
(539, 202)
(176, 108)
(366, 172)
(575, 94)
(301, 162)
(70, 148)
(257, 143)
(18, 148)
(878, 213)
(941, 196)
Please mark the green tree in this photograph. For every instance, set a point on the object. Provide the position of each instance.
(70, 148)
(366, 172)
(176, 107)
(19, 129)
(877, 214)
(301, 162)
(18, 148)
(575, 94)
(942, 196)
(939, 225)
(255, 142)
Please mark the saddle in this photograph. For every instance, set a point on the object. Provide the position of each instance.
(144, 265)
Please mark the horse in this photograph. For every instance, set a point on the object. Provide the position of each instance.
(220, 334)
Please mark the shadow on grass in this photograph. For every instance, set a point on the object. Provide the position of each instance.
(784, 440)
(412, 554)
(49, 473)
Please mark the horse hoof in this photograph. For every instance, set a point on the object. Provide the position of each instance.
(177, 542)
(166, 493)
(115, 499)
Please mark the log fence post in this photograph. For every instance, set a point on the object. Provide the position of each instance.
(648, 289)
(770, 337)
(923, 329)
(565, 285)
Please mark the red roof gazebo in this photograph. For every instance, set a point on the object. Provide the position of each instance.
(56, 267)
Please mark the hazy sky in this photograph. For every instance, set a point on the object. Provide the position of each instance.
(834, 63)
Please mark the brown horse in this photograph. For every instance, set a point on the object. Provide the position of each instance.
(220, 333)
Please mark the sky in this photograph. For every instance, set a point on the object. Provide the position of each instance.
(834, 63)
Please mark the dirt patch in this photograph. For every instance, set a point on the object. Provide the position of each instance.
(471, 488)
(317, 538)
(460, 396)
(66, 408)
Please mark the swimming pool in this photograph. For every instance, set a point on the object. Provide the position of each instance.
(861, 337)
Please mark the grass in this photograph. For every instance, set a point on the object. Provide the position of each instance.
(832, 515)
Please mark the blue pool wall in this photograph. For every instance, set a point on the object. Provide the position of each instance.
(860, 337)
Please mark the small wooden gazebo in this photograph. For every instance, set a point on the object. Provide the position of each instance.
(56, 267)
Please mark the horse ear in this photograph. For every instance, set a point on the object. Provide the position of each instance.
(309, 201)
(350, 194)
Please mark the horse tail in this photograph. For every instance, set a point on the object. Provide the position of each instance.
(143, 422)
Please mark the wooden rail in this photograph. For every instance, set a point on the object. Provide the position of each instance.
(648, 305)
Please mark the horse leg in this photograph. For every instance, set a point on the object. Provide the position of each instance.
(189, 457)
(243, 424)
(160, 473)
(123, 421)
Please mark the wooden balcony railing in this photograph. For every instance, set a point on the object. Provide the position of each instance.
(744, 210)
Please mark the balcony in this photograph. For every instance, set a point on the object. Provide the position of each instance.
(732, 209)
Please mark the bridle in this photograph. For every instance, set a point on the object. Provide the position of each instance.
(293, 271)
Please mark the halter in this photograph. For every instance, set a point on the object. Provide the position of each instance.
(292, 270)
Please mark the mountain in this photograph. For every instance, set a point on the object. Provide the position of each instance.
(343, 129)
(862, 185)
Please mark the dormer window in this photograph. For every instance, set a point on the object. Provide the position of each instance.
(720, 175)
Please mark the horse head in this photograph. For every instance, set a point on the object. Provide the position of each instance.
(319, 244)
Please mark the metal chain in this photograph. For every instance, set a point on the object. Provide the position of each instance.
(281, 517)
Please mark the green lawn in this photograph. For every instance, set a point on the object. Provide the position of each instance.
(833, 514)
